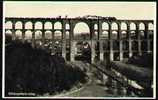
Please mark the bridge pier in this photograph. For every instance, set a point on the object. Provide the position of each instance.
(13, 31)
(64, 49)
(120, 42)
(101, 50)
(111, 50)
(23, 32)
(43, 36)
(139, 40)
(129, 40)
(72, 51)
(63, 40)
(147, 38)
(33, 35)
(121, 51)
(93, 50)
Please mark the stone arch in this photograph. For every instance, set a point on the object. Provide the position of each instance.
(123, 26)
(105, 26)
(114, 26)
(95, 34)
(38, 25)
(95, 27)
(57, 25)
(8, 32)
(28, 25)
(133, 34)
(57, 35)
(142, 34)
(48, 35)
(8, 35)
(8, 25)
(67, 26)
(150, 26)
(18, 34)
(18, 25)
(141, 26)
(105, 34)
(124, 34)
(47, 25)
(38, 35)
(28, 34)
(81, 30)
(132, 26)
(114, 34)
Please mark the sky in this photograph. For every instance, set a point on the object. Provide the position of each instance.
(120, 10)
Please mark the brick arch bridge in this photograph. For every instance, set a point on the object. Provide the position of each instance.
(116, 44)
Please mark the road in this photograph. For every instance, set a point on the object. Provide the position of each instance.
(94, 88)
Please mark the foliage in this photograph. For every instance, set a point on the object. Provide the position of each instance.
(34, 70)
(145, 60)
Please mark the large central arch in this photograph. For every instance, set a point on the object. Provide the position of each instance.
(80, 30)
(82, 33)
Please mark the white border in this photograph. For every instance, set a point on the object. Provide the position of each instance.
(154, 54)
(3, 58)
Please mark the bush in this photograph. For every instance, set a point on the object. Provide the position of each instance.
(34, 70)
(145, 60)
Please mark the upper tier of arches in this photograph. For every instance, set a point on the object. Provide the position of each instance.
(58, 24)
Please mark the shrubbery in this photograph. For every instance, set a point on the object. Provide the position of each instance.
(145, 60)
(29, 69)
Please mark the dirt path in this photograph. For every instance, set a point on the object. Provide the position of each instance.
(92, 89)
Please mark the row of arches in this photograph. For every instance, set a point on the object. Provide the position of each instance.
(38, 25)
(58, 35)
(123, 26)
(38, 34)
(82, 30)
(58, 25)
(124, 34)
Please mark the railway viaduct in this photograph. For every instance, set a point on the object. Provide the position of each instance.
(118, 40)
